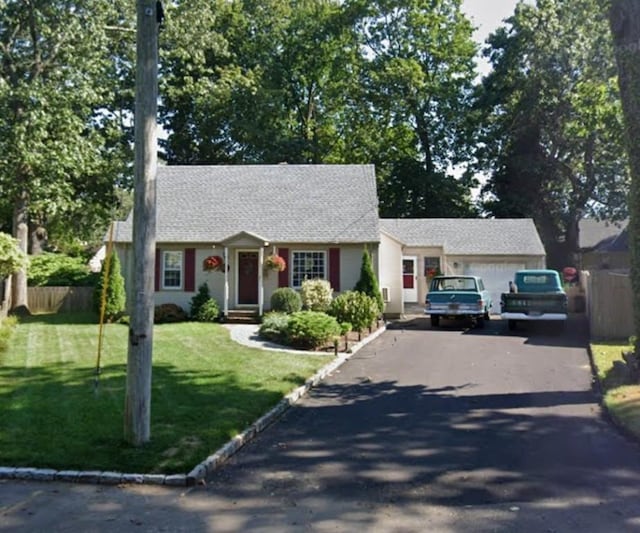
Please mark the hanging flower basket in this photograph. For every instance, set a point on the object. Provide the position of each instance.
(213, 263)
(275, 262)
(432, 273)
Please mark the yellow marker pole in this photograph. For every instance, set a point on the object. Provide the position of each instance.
(103, 300)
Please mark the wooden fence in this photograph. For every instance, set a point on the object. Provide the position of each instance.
(609, 304)
(60, 299)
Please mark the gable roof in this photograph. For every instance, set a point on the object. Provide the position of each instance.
(282, 203)
(602, 235)
(500, 236)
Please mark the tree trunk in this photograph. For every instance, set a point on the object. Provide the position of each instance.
(624, 17)
(20, 304)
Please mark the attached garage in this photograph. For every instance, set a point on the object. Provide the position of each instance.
(496, 277)
(490, 248)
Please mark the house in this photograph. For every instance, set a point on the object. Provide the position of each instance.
(603, 245)
(490, 248)
(319, 219)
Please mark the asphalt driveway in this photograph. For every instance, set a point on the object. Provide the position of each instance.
(421, 430)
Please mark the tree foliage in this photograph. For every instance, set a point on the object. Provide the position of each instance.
(325, 81)
(552, 131)
(12, 258)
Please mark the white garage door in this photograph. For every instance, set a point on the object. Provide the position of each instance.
(496, 278)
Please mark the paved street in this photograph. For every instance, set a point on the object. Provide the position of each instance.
(422, 430)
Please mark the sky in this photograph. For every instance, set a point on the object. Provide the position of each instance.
(487, 15)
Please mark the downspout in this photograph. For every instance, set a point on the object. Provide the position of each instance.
(226, 282)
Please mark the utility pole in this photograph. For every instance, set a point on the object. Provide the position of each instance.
(137, 412)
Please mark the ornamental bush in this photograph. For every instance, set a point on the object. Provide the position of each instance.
(203, 296)
(368, 283)
(358, 309)
(316, 295)
(203, 308)
(286, 300)
(274, 327)
(311, 329)
(115, 296)
(168, 313)
(209, 311)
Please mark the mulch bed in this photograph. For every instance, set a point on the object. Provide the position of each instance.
(347, 341)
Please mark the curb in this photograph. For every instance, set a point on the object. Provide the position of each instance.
(206, 467)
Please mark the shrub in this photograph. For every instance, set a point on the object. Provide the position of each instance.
(368, 283)
(316, 295)
(12, 258)
(274, 327)
(168, 313)
(114, 297)
(7, 326)
(355, 307)
(60, 270)
(208, 312)
(310, 329)
(286, 300)
(202, 297)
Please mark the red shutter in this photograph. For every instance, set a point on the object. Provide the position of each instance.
(190, 269)
(334, 268)
(158, 268)
(283, 277)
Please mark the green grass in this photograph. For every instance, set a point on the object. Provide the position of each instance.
(621, 398)
(205, 389)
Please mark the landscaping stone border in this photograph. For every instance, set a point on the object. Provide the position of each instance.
(206, 467)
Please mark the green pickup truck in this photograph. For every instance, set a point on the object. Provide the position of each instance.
(458, 297)
(534, 295)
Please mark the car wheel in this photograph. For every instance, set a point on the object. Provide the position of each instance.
(435, 321)
(511, 324)
(480, 321)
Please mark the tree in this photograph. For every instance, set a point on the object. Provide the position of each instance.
(552, 130)
(625, 25)
(417, 90)
(59, 136)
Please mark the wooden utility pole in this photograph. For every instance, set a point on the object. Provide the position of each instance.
(137, 413)
(624, 17)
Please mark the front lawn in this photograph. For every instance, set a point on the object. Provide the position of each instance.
(206, 389)
(621, 397)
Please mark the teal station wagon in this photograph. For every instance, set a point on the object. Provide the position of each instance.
(458, 297)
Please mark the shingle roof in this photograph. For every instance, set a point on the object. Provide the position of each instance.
(468, 236)
(603, 235)
(283, 203)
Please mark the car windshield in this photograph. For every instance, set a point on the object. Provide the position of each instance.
(453, 284)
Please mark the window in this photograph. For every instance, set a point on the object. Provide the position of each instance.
(308, 265)
(431, 266)
(171, 270)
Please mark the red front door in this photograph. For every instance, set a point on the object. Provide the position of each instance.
(248, 278)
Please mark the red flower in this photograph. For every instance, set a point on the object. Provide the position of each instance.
(275, 262)
(213, 263)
